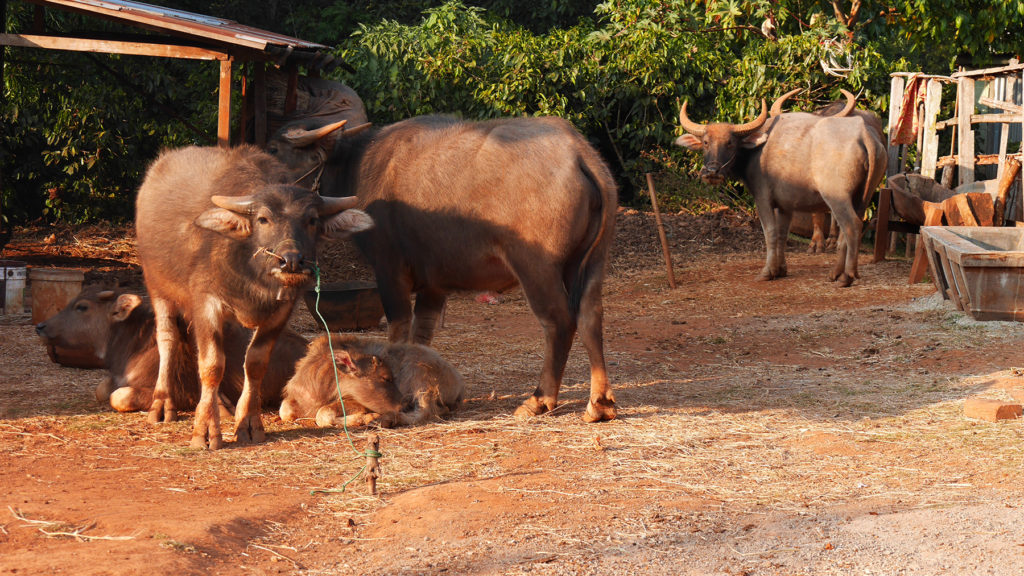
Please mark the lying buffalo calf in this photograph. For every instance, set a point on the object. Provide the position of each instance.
(394, 383)
(120, 328)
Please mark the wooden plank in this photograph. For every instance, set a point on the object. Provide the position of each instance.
(979, 160)
(1003, 105)
(930, 142)
(982, 207)
(994, 118)
(965, 149)
(224, 106)
(1010, 173)
(896, 87)
(988, 71)
(111, 47)
(932, 217)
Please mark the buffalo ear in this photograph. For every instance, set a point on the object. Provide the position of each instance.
(689, 141)
(754, 140)
(225, 222)
(344, 361)
(123, 306)
(344, 224)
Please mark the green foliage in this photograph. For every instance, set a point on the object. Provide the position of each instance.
(77, 130)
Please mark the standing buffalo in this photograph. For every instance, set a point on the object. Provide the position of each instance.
(795, 162)
(483, 206)
(119, 327)
(222, 239)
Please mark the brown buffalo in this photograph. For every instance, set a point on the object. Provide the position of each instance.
(390, 383)
(119, 327)
(483, 206)
(795, 162)
(221, 238)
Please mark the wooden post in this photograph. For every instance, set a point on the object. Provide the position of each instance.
(372, 465)
(224, 105)
(933, 217)
(882, 223)
(930, 143)
(259, 105)
(895, 109)
(661, 232)
(965, 153)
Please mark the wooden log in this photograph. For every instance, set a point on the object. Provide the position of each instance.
(1010, 173)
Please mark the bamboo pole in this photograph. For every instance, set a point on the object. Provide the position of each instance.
(661, 232)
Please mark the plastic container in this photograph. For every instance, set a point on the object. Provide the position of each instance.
(52, 289)
(12, 286)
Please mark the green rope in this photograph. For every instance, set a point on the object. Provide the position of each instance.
(337, 384)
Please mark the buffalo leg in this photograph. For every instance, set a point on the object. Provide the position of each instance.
(395, 292)
(429, 304)
(769, 225)
(782, 221)
(162, 408)
(248, 421)
(206, 428)
(602, 402)
(850, 225)
(817, 245)
(546, 295)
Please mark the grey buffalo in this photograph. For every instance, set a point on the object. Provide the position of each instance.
(795, 162)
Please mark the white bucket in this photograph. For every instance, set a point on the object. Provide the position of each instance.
(12, 286)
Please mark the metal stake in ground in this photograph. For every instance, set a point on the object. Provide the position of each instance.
(661, 232)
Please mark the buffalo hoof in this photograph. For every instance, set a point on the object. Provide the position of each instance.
(815, 248)
(767, 275)
(213, 442)
(162, 410)
(845, 280)
(249, 429)
(532, 407)
(603, 409)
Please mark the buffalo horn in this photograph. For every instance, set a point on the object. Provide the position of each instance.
(755, 124)
(357, 129)
(689, 125)
(851, 102)
(333, 205)
(300, 138)
(240, 204)
(777, 105)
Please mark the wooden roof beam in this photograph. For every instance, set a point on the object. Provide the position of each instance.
(111, 47)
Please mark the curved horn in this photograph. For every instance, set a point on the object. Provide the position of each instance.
(755, 124)
(300, 137)
(333, 205)
(689, 125)
(851, 102)
(777, 105)
(240, 204)
(357, 129)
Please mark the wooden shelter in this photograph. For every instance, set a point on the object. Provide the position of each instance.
(169, 33)
(983, 145)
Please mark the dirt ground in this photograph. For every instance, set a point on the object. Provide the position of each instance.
(788, 427)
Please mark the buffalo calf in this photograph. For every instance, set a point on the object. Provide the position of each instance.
(396, 384)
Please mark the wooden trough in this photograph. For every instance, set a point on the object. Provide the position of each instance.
(346, 306)
(979, 269)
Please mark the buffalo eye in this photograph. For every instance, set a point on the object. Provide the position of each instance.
(313, 221)
(262, 220)
(81, 307)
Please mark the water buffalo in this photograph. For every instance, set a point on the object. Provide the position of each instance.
(840, 108)
(483, 206)
(390, 383)
(222, 238)
(795, 162)
(120, 328)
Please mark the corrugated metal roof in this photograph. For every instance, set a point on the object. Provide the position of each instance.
(184, 24)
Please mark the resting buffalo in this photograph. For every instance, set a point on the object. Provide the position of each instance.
(390, 383)
(119, 327)
(795, 162)
(221, 238)
(483, 206)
